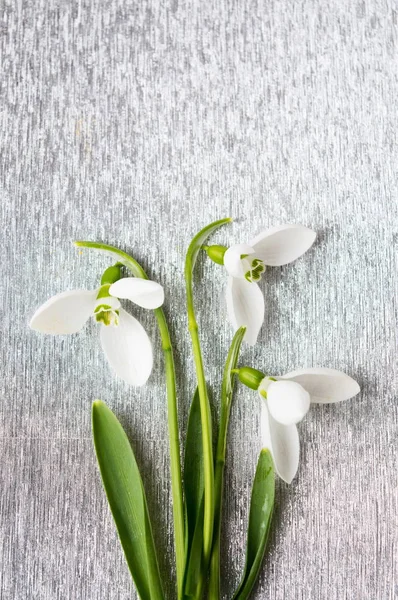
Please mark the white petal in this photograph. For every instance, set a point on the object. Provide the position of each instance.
(64, 313)
(143, 292)
(235, 265)
(283, 443)
(128, 349)
(282, 245)
(287, 401)
(245, 306)
(325, 385)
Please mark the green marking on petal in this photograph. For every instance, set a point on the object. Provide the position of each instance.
(106, 316)
(102, 307)
(256, 262)
(257, 268)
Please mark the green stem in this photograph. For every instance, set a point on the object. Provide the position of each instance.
(194, 248)
(175, 460)
(226, 402)
(172, 414)
(206, 422)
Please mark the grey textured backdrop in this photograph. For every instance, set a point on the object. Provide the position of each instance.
(136, 123)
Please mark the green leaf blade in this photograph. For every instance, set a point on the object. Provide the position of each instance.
(126, 497)
(261, 510)
(194, 502)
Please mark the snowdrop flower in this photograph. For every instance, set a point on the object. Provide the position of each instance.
(246, 263)
(287, 400)
(124, 341)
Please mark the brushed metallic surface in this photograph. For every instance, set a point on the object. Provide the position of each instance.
(136, 123)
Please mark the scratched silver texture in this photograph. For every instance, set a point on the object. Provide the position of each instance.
(136, 123)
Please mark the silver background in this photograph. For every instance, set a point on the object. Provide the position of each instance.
(136, 123)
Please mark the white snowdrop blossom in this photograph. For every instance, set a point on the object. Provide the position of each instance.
(246, 263)
(124, 341)
(287, 400)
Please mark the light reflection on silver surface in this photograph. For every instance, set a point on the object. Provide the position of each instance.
(136, 124)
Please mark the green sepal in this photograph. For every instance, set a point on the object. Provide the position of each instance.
(112, 274)
(261, 510)
(216, 253)
(126, 496)
(250, 377)
(194, 503)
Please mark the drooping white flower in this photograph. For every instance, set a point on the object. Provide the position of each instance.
(124, 341)
(246, 263)
(287, 400)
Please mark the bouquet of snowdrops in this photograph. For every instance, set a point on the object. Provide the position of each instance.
(197, 488)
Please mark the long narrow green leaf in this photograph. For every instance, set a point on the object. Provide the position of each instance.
(126, 497)
(261, 509)
(194, 501)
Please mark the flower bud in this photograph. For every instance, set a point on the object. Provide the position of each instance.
(250, 377)
(288, 402)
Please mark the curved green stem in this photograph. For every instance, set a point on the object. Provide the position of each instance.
(192, 253)
(174, 443)
(175, 460)
(226, 402)
(206, 427)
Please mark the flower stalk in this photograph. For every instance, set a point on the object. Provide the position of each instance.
(194, 248)
(205, 418)
(226, 402)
